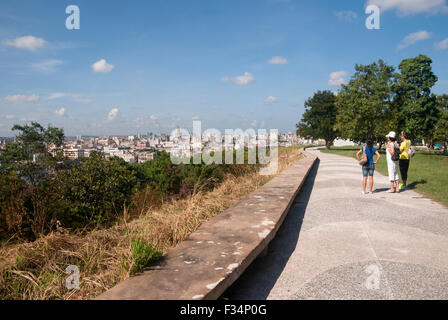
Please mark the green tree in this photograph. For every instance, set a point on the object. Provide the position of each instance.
(162, 175)
(27, 166)
(95, 190)
(364, 108)
(441, 132)
(319, 118)
(413, 96)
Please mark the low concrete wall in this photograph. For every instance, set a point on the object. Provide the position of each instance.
(205, 264)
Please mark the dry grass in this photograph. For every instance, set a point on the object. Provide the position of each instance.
(37, 270)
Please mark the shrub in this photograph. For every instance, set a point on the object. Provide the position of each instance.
(162, 175)
(142, 254)
(94, 190)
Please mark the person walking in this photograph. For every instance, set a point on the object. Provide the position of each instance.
(404, 159)
(392, 156)
(368, 168)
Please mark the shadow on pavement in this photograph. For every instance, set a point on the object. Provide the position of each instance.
(378, 190)
(260, 277)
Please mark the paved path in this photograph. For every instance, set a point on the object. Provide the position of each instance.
(339, 244)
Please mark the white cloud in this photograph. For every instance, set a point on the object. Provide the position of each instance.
(412, 38)
(57, 95)
(102, 66)
(112, 114)
(153, 121)
(278, 60)
(270, 100)
(75, 96)
(150, 121)
(21, 98)
(346, 15)
(409, 7)
(244, 79)
(9, 116)
(60, 112)
(253, 123)
(442, 44)
(139, 122)
(27, 42)
(240, 80)
(47, 65)
(337, 78)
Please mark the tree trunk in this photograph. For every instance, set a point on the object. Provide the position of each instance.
(328, 144)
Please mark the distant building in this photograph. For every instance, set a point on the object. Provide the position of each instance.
(73, 154)
(128, 158)
(141, 145)
(145, 156)
(108, 151)
(88, 151)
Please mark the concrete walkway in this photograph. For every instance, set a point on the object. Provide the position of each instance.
(339, 244)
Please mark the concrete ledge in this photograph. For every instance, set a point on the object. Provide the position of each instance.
(205, 264)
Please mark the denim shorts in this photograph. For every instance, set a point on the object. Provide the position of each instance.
(368, 170)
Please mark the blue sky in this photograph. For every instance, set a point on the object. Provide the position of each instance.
(231, 64)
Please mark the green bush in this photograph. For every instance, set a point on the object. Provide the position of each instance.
(162, 175)
(94, 190)
(142, 255)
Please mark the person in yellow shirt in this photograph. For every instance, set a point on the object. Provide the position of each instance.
(405, 146)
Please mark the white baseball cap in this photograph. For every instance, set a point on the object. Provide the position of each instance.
(391, 134)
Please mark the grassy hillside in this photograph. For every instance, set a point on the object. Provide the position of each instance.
(36, 270)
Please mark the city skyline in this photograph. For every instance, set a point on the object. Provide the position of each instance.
(156, 65)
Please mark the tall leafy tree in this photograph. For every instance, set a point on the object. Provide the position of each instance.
(413, 96)
(27, 165)
(94, 190)
(441, 132)
(319, 118)
(364, 108)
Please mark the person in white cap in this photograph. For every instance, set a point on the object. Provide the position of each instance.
(392, 155)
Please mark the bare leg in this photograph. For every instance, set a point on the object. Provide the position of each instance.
(392, 186)
(364, 183)
(371, 183)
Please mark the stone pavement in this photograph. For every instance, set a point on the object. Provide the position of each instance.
(336, 243)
